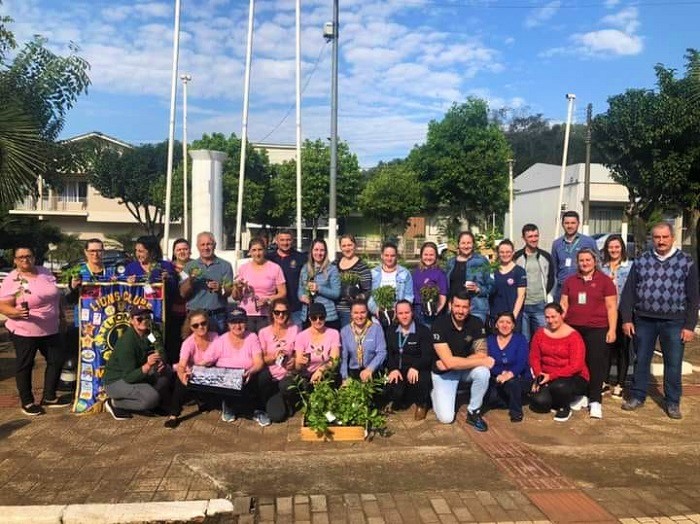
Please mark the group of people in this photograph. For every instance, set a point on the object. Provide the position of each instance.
(539, 327)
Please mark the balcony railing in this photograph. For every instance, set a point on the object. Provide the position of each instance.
(56, 204)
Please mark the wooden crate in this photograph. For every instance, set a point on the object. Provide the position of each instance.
(335, 434)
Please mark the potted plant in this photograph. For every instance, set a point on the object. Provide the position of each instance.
(349, 285)
(385, 298)
(429, 298)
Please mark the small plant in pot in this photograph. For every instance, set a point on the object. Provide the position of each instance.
(429, 297)
(385, 297)
(349, 285)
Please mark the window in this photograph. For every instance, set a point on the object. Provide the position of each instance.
(74, 191)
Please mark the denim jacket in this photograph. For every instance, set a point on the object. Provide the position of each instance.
(623, 271)
(328, 290)
(404, 285)
(478, 270)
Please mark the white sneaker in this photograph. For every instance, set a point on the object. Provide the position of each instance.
(579, 403)
(596, 410)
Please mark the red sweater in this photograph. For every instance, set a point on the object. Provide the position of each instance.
(559, 357)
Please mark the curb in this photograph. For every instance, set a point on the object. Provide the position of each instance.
(207, 511)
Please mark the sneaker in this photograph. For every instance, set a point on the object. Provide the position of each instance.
(674, 411)
(605, 389)
(32, 410)
(617, 391)
(58, 402)
(117, 413)
(261, 418)
(477, 421)
(632, 404)
(516, 417)
(562, 415)
(227, 415)
(579, 403)
(172, 422)
(596, 410)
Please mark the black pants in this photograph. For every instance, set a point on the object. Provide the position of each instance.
(245, 401)
(557, 394)
(597, 359)
(402, 392)
(51, 347)
(277, 396)
(619, 352)
(181, 394)
(509, 394)
(173, 338)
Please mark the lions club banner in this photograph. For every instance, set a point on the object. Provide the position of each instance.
(104, 315)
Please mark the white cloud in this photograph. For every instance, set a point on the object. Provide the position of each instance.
(627, 20)
(543, 14)
(611, 3)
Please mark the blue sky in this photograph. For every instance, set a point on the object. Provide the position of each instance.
(403, 62)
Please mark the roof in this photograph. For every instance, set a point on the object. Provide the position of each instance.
(100, 136)
(541, 176)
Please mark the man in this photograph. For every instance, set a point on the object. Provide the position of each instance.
(291, 261)
(409, 357)
(660, 300)
(566, 247)
(540, 279)
(207, 282)
(461, 356)
(136, 377)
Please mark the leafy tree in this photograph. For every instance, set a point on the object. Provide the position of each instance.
(136, 177)
(391, 197)
(29, 231)
(464, 163)
(315, 186)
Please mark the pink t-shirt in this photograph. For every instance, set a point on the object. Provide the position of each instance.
(264, 281)
(270, 345)
(318, 353)
(226, 356)
(43, 298)
(196, 357)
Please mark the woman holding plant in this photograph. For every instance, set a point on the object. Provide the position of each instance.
(30, 300)
(471, 271)
(429, 286)
(390, 283)
(363, 346)
(317, 347)
(355, 278)
(178, 305)
(319, 283)
(509, 285)
(257, 284)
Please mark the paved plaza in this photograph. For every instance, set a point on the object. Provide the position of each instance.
(629, 467)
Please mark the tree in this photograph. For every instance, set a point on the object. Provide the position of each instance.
(391, 197)
(28, 231)
(464, 163)
(649, 140)
(136, 177)
(315, 186)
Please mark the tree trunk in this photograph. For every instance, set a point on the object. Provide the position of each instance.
(694, 227)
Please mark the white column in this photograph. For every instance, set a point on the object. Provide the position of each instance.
(207, 195)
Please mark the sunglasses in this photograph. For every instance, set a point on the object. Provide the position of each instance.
(199, 325)
(280, 312)
(314, 318)
(142, 319)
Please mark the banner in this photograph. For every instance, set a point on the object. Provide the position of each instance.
(103, 311)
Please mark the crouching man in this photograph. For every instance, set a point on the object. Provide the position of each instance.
(136, 376)
(461, 356)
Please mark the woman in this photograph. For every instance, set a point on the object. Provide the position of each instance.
(30, 300)
(196, 351)
(258, 283)
(178, 305)
(470, 271)
(317, 347)
(428, 280)
(355, 278)
(319, 283)
(558, 362)
(363, 346)
(509, 285)
(510, 374)
(589, 300)
(617, 267)
(240, 349)
(277, 344)
(390, 273)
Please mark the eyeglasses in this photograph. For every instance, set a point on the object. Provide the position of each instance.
(142, 319)
(24, 257)
(280, 312)
(314, 318)
(199, 325)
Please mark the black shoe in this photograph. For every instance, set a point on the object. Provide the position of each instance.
(516, 417)
(58, 402)
(117, 413)
(477, 421)
(562, 415)
(32, 410)
(172, 423)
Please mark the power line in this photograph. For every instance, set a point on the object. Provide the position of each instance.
(588, 5)
(291, 107)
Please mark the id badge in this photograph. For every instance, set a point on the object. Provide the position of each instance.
(147, 289)
(567, 262)
(582, 298)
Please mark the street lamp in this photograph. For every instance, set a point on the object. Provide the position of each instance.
(185, 218)
(570, 97)
(332, 218)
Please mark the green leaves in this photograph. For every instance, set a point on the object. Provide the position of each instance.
(384, 296)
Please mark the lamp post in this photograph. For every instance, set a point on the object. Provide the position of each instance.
(570, 97)
(298, 120)
(510, 198)
(332, 214)
(185, 214)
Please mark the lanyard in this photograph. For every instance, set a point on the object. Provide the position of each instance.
(569, 248)
(402, 342)
(359, 341)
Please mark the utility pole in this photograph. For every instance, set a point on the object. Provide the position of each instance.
(185, 214)
(510, 198)
(332, 214)
(298, 121)
(570, 97)
(587, 172)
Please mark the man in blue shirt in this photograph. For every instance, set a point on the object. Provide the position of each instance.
(291, 261)
(566, 247)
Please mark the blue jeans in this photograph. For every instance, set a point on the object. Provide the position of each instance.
(533, 319)
(218, 320)
(669, 334)
(296, 318)
(444, 394)
(344, 317)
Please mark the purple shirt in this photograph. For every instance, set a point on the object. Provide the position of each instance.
(433, 276)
